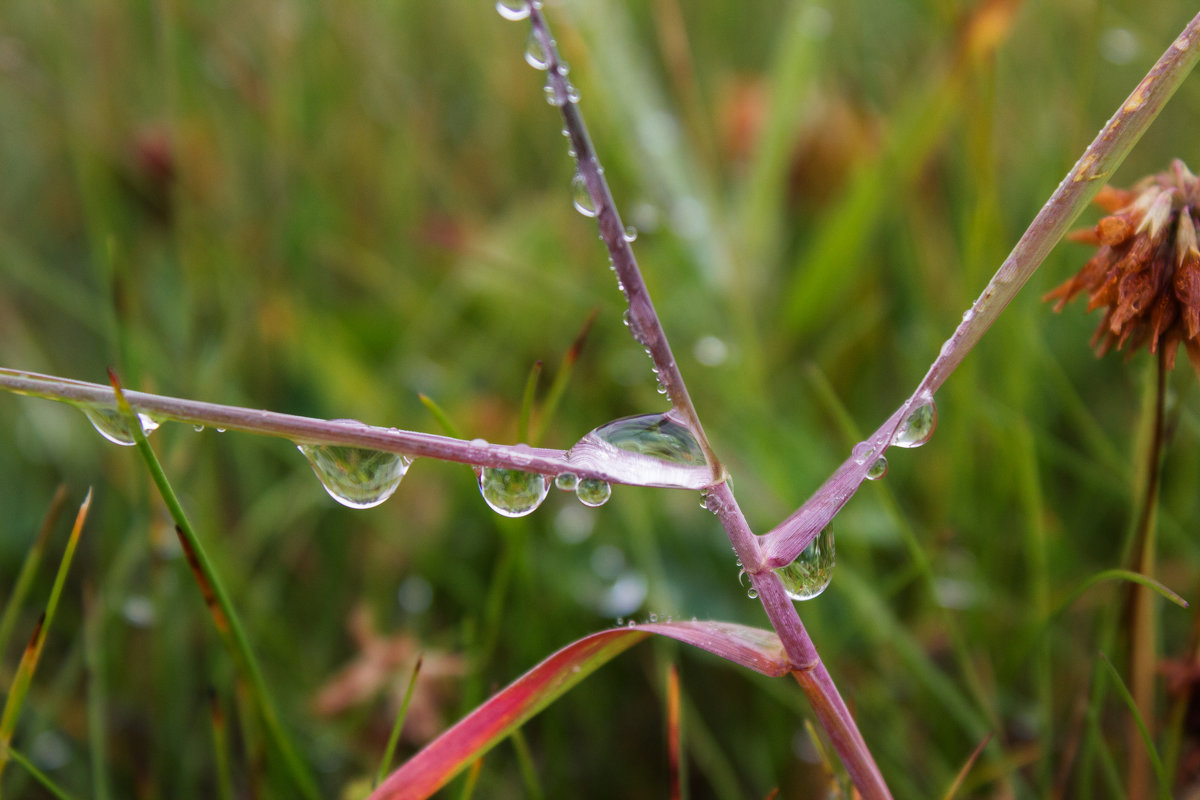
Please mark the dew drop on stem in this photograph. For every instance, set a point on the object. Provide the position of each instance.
(357, 477)
(110, 423)
(566, 481)
(513, 10)
(917, 428)
(536, 55)
(593, 492)
(512, 492)
(581, 197)
(811, 572)
(645, 450)
(877, 469)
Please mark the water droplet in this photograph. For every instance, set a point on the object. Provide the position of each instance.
(563, 68)
(653, 617)
(752, 593)
(878, 469)
(513, 10)
(357, 477)
(115, 426)
(581, 197)
(630, 233)
(646, 450)
(917, 427)
(704, 499)
(552, 96)
(810, 573)
(512, 492)
(592, 492)
(220, 430)
(535, 54)
(566, 481)
(572, 92)
(861, 452)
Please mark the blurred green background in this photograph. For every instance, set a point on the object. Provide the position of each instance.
(329, 208)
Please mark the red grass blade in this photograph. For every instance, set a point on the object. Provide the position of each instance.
(487, 725)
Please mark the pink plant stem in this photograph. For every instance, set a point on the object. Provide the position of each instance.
(1102, 157)
(643, 320)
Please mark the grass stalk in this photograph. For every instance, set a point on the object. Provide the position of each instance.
(225, 616)
(18, 690)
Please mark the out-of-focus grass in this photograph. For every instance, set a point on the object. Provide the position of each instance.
(329, 209)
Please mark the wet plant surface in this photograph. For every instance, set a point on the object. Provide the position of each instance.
(330, 212)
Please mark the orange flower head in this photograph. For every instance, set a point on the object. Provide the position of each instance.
(1146, 274)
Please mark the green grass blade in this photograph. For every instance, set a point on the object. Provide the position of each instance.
(225, 617)
(93, 656)
(220, 740)
(33, 651)
(29, 567)
(527, 396)
(38, 775)
(389, 752)
(440, 416)
(1164, 785)
(559, 384)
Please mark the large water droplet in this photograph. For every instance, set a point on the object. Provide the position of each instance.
(581, 197)
(514, 10)
(593, 492)
(357, 477)
(810, 573)
(512, 492)
(646, 450)
(917, 427)
(878, 469)
(115, 426)
(536, 55)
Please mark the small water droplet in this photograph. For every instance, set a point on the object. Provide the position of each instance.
(357, 477)
(220, 430)
(563, 68)
(861, 452)
(581, 197)
(513, 10)
(567, 481)
(552, 96)
(811, 572)
(115, 426)
(512, 492)
(878, 469)
(917, 427)
(198, 428)
(752, 593)
(630, 234)
(592, 492)
(661, 388)
(572, 92)
(535, 54)
(646, 450)
(653, 617)
(704, 499)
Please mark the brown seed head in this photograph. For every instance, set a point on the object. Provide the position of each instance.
(1146, 274)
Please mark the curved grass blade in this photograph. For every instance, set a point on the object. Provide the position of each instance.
(506, 711)
(966, 769)
(39, 776)
(225, 617)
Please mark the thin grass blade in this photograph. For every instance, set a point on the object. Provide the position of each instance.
(33, 558)
(1164, 786)
(225, 618)
(33, 651)
(390, 751)
(674, 749)
(966, 769)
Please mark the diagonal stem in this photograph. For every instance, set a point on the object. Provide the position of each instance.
(643, 321)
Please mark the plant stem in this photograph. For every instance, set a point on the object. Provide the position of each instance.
(1143, 639)
(643, 321)
(1101, 158)
(309, 430)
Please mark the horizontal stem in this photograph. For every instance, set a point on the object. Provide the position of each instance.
(308, 430)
